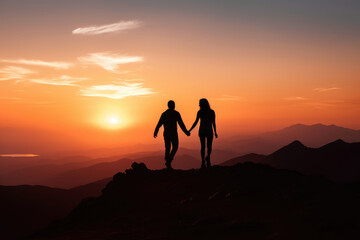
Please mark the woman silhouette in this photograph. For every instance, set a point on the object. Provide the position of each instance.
(207, 123)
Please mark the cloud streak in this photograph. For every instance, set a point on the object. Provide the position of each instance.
(109, 61)
(19, 155)
(322, 105)
(63, 80)
(12, 98)
(226, 97)
(58, 65)
(14, 73)
(114, 27)
(325, 89)
(295, 98)
(116, 90)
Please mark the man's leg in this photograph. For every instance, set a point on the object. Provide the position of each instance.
(175, 146)
(167, 151)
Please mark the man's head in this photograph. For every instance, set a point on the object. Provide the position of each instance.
(171, 104)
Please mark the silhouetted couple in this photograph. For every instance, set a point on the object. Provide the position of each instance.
(170, 118)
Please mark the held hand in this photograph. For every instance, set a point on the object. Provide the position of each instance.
(188, 133)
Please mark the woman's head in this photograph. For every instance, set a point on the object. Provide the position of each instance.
(204, 104)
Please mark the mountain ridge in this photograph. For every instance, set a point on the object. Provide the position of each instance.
(338, 160)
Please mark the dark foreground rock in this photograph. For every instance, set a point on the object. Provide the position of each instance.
(245, 201)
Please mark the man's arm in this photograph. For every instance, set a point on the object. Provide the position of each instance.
(182, 125)
(160, 123)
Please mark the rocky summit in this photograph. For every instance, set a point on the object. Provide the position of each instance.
(244, 201)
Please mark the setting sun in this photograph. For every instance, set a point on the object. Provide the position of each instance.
(113, 121)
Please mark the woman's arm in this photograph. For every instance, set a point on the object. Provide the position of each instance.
(196, 121)
(214, 126)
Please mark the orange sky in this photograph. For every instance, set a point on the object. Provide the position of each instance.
(258, 75)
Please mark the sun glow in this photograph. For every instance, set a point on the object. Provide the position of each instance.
(111, 121)
(110, 116)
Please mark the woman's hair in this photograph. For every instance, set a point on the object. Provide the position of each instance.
(204, 104)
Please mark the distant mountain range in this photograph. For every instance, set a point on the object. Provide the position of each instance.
(37, 141)
(71, 171)
(79, 172)
(244, 201)
(311, 135)
(338, 160)
(50, 145)
(314, 135)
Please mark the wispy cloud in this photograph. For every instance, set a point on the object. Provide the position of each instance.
(130, 80)
(109, 61)
(322, 105)
(59, 65)
(116, 90)
(295, 98)
(41, 104)
(329, 103)
(226, 97)
(325, 89)
(13, 73)
(108, 28)
(63, 80)
(12, 98)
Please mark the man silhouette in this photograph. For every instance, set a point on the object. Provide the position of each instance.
(169, 119)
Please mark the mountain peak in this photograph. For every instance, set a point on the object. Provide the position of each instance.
(296, 143)
(294, 147)
(337, 143)
(316, 125)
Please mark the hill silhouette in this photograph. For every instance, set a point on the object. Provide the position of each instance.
(338, 160)
(244, 201)
(26, 209)
(251, 157)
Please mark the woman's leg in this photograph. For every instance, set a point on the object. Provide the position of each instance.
(202, 141)
(209, 149)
